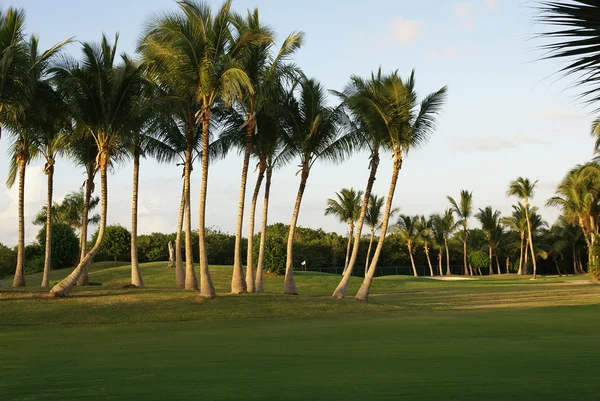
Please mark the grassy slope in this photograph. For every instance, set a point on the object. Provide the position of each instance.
(419, 339)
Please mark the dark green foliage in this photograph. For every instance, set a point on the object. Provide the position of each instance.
(8, 260)
(34, 258)
(116, 244)
(480, 260)
(65, 246)
(154, 247)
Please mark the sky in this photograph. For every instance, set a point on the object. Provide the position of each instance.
(508, 113)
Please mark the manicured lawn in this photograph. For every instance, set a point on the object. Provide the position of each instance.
(496, 338)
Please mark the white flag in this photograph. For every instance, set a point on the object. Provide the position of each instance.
(303, 263)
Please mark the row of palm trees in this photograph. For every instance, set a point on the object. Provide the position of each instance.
(198, 72)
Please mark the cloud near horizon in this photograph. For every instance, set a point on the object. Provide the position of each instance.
(558, 114)
(404, 31)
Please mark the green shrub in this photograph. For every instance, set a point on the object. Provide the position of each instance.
(64, 247)
(479, 260)
(8, 261)
(116, 244)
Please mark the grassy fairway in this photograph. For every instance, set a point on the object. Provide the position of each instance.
(418, 339)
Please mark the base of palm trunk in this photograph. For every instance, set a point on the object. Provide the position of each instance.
(18, 282)
(289, 287)
(84, 278)
(59, 293)
(363, 293)
(208, 296)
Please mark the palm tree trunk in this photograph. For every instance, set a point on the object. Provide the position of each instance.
(136, 275)
(412, 261)
(179, 270)
(521, 255)
(340, 291)
(207, 290)
(557, 268)
(440, 257)
(363, 293)
(238, 282)
(289, 287)
(498, 265)
(191, 282)
(250, 283)
(62, 289)
(491, 261)
(48, 251)
(579, 263)
(89, 182)
(465, 252)
(19, 279)
(508, 265)
(448, 272)
(575, 269)
(428, 260)
(530, 240)
(350, 235)
(263, 233)
(526, 258)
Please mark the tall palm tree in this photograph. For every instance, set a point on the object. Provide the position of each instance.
(194, 55)
(29, 125)
(15, 87)
(438, 237)
(463, 210)
(408, 230)
(447, 226)
(424, 227)
(394, 109)
(523, 188)
(103, 97)
(489, 220)
(373, 220)
(518, 222)
(346, 208)
(314, 135)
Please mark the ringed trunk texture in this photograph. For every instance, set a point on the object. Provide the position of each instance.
(340, 291)
(191, 282)
(250, 283)
(412, 261)
(19, 279)
(350, 235)
(136, 275)
(207, 290)
(428, 260)
(89, 182)
(258, 287)
(62, 289)
(448, 272)
(363, 293)
(238, 282)
(48, 250)
(289, 287)
(530, 240)
(179, 270)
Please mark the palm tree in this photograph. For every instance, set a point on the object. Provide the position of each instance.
(438, 237)
(424, 227)
(347, 209)
(39, 116)
(575, 39)
(518, 222)
(489, 220)
(69, 211)
(14, 65)
(103, 99)
(314, 135)
(393, 109)
(523, 189)
(464, 211)
(373, 220)
(447, 226)
(193, 55)
(408, 230)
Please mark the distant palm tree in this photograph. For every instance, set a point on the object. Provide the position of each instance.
(523, 188)
(69, 211)
(518, 222)
(408, 230)
(424, 227)
(314, 135)
(464, 211)
(447, 226)
(102, 97)
(489, 220)
(392, 107)
(438, 237)
(347, 209)
(373, 220)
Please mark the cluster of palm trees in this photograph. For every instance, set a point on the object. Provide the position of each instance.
(197, 72)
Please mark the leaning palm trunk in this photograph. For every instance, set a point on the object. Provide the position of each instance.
(263, 234)
(49, 170)
(520, 272)
(526, 258)
(350, 235)
(498, 265)
(84, 278)
(238, 283)
(530, 240)
(412, 261)
(179, 270)
(448, 272)
(428, 260)
(289, 287)
(363, 293)
(465, 254)
(19, 279)
(250, 283)
(191, 282)
(62, 289)
(340, 291)
(207, 290)
(136, 275)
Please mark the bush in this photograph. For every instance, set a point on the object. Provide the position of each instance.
(479, 260)
(64, 247)
(8, 261)
(116, 244)
(33, 255)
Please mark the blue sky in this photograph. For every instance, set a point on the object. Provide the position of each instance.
(507, 114)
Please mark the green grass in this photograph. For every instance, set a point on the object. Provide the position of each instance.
(493, 338)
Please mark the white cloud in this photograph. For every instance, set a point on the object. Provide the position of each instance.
(464, 12)
(404, 31)
(558, 114)
(486, 144)
(522, 138)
